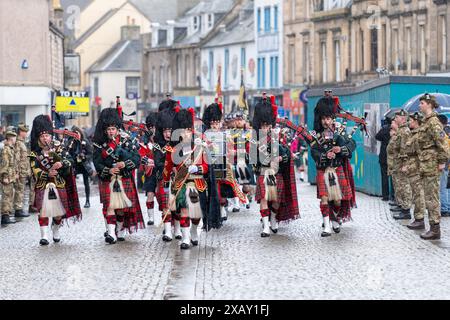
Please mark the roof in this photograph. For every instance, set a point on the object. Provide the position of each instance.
(235, 32)
(157, 10)
(211, 6)
(123, 56)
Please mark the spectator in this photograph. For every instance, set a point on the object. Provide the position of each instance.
(383, 136)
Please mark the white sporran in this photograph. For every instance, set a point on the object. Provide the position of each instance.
(193, 202)
(270, 184)
(118, 199)
(332, 183)
(51, 205)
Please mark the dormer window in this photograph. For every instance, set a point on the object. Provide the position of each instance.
(210, 20)
(195, 23)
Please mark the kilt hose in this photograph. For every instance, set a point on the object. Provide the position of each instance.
(132, 217)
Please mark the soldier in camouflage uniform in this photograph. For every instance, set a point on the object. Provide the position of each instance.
(411, 169)
(433, 153)
(390, 158)
(8, 176)
(402, 186)
(24, 170)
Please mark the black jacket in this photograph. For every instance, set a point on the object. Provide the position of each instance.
(383, 136)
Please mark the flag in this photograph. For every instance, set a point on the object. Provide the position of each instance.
(219, 86)
(242, 103)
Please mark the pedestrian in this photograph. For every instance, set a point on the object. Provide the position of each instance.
(335, 185)
(56, 195)
(24, 170)
(383, 136)
(402, 185)
(81, 153)
(116, 157)
(411, 169)
(433, 152)
(276, 190)
(8, 177)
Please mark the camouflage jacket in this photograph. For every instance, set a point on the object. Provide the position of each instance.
(432, 148)
(23, 163)
(403, 135)
(391, 155)
(8, 169)
(412, 161)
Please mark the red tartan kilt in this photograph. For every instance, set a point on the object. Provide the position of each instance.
(62, 193)
(261, 188)
(343, 183)
(133, 215)
(161, 197)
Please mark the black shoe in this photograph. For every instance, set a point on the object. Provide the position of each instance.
(184, 246)
(264, 235)
(247, 206)
(43, 242)
(6, 219)
(121, 239)
(194, 243)
(150, 223)
(325, 234)
(178, 237)
(337, 230)
(87, 204)
(404, 214)
(396, 209)
(166, 238)
(236, 210)
(56, 240)
(109, 239)
(273, 230)
(20, 214)
(445, 214)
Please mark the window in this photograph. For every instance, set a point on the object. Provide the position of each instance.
(259, 20)
(323, 47)
(187, 71)
(132, 85)
(161, 79)
(337, 61)
(243, 58)
(373, 49)
(195, 23)
(261, 72)
(275, 73)
(210, 20)
(153, 82)
(211, 70)
(267, 19)
(275, 18)
(227, 66)
(272, 71)
(422, 49)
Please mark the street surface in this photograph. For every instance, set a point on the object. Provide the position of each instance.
(374, 257)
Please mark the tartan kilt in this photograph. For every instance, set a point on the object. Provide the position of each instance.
(133, 219)
(343, 184)
(261, 188)
(225, 190)
(161, 197)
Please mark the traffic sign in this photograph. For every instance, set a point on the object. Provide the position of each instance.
(72, 101)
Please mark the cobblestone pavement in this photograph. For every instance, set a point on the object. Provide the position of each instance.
(374, 257)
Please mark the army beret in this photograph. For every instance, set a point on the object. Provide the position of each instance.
(430, 99)
(401, 112)
(416, 116)
(23, 127)
(10, 133)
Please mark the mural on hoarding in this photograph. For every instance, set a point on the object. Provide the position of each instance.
(375, 113)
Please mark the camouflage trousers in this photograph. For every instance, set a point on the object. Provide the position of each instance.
(402, 189)
(418, 196)
(19, 187)
(432, 197)
(7, 198)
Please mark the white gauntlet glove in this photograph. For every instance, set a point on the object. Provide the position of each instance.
(192, 169)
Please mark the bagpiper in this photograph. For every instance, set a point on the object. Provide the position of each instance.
(335, 186)
(56, 194)
(276, 191)
(116, 157)
(193, 192)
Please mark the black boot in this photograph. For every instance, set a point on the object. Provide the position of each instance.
(7, 220)
(404, 214)
(87, 204)
(396, 209)
(20, 214)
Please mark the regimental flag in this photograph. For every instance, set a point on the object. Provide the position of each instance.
(219, 97)
(242, 103)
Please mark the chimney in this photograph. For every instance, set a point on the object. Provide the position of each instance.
(130, 32)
